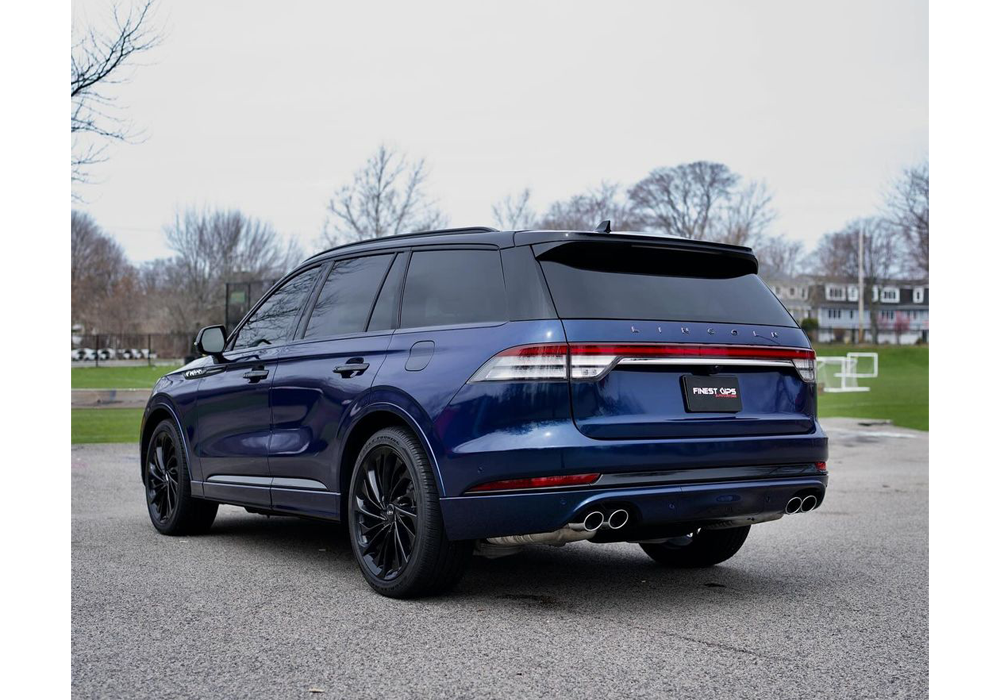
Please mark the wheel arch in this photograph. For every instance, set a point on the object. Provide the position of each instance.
(376, 417)
(155, 415)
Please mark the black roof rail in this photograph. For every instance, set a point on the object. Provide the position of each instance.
(413, 234)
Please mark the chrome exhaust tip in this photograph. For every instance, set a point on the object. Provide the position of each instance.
(809, 503)
(617, 519)
(593, 521)
(794, 505)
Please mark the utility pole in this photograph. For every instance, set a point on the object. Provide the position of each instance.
(861, 285)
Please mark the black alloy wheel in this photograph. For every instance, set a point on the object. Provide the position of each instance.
(172, 508)
(394, 517)
(386, 513)
(162, 477)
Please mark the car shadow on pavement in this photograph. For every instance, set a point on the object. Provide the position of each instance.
(570, 578)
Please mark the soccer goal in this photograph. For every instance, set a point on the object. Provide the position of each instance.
(866, 360)
(840, 374)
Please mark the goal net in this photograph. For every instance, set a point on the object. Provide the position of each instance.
(840, 374)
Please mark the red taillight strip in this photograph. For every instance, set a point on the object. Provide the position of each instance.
(691, 350)
(661, 350)
(534, 350)
(537, 482)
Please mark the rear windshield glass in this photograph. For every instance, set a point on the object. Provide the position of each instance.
(615, 281)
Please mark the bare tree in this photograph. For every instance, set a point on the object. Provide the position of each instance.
(514, 212)
(100, 275)
(98, 60)
(212, 248)
(747, 216)
(386, 197)
(908, 210)
(837, 256)
(779, 257)
(585, 211)
(688, 200)
(122, 309)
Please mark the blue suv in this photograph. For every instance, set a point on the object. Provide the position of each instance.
(473, 391)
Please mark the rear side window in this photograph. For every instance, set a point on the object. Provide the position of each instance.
(347, 296)
(636, 282)
(272, 322)
(452, 287)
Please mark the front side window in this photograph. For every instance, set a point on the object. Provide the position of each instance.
(271, 323)
(347, 296)
(453, 287)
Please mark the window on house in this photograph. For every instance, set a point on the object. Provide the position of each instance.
(918, 295)
(834, 293)
(852, 293)
(890, 295)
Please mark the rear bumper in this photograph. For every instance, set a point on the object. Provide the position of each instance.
(650, 507)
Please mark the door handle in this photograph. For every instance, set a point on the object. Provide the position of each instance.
(351, 369)
(255, 375)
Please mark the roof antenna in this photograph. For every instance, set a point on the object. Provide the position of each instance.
(603, 227)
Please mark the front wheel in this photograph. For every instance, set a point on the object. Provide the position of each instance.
(172, 508)
(698, 549)
(394, 518)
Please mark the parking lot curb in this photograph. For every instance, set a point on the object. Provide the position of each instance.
(109, 398)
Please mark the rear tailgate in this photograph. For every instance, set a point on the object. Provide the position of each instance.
(674, 343)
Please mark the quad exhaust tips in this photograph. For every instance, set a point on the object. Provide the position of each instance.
(802, 504)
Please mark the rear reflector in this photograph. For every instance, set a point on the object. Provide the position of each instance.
(821, 466)
(538, 482)
(549, 362)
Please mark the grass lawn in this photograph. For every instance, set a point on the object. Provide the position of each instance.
(118, 377)
(105, 425)
(900, 394)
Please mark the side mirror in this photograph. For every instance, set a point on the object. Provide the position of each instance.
(211, 340)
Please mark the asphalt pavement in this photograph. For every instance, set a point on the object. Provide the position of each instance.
(831, 604)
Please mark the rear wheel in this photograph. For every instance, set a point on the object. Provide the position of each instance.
(172, 508)
(397, 532)
(698, 549)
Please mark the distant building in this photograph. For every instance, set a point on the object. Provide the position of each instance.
(795, 294)
(900, 308)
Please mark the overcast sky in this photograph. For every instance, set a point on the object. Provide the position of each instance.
(270, 106)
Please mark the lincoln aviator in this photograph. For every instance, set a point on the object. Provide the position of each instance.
(474, 392)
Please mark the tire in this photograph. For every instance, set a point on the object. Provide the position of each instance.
(172, 508)
(394, 518)
(703, 548)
